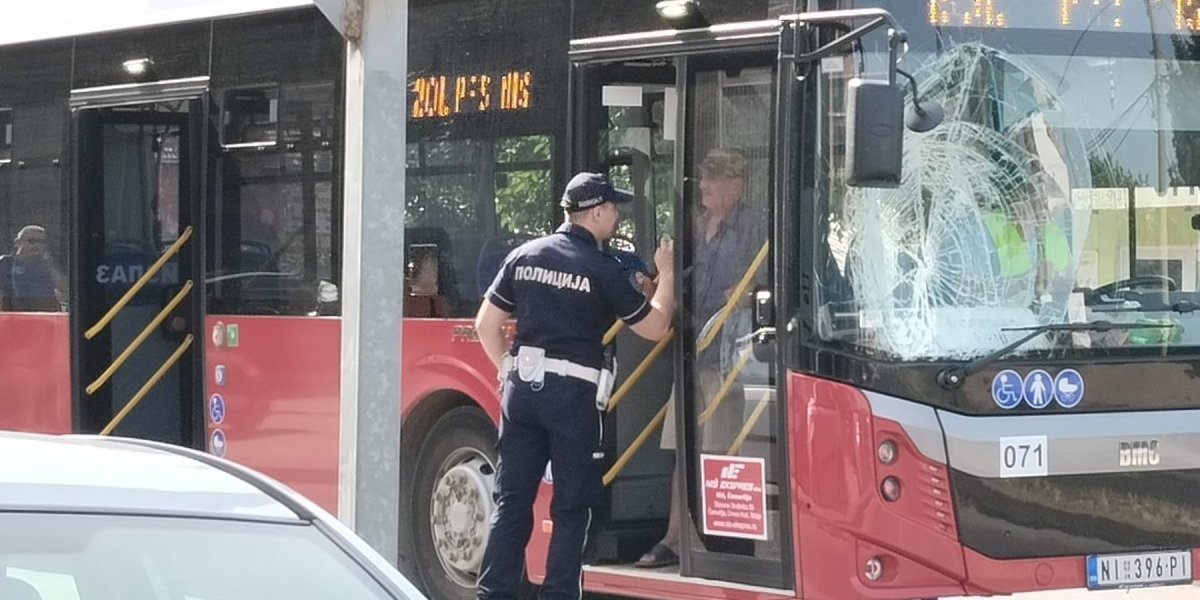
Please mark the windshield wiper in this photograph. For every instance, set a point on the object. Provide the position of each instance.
(952, 378)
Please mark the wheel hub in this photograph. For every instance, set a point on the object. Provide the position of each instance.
(461, 513)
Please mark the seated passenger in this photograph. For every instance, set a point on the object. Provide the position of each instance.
(29, 281)
(424, 299)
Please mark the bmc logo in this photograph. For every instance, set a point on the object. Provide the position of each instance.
(731, 471)
(1139, 454)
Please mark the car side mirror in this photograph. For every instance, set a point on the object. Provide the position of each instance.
(874, 134)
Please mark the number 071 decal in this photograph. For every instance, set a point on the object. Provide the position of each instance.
(1025, 456)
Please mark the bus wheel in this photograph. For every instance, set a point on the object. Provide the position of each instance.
(453, 503)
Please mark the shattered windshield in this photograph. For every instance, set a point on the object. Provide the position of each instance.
(1060, 188)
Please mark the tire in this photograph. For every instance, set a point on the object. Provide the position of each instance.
(452, 503)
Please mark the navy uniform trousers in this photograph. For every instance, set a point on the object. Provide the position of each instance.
(559, 423)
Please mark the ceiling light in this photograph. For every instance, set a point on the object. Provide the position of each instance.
(138, 67)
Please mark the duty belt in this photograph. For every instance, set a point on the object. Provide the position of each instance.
(532, 365)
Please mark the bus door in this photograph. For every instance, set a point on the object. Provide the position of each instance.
(137, 267)
(691, 136)
(728, 425)
(628, 116)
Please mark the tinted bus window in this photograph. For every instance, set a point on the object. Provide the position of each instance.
(274, 230)
(34, 87)
(487, 117)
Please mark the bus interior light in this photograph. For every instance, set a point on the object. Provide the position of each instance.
(681, 14)
(139, 67)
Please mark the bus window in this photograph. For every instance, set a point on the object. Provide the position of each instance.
(477, 199)
(274, 231)
(34, 85)
(637, 151)
(1042, 201)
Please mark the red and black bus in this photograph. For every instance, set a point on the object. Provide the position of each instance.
(972, 379)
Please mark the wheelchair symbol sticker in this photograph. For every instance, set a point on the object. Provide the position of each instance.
(216, 409)
(1007, 389)
(1068, 388)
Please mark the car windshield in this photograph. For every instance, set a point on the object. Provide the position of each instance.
(103, 557)
(1060, 188)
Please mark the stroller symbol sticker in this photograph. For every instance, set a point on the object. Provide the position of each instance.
(1068, 388)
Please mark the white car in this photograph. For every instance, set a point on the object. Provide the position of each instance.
(89, 518)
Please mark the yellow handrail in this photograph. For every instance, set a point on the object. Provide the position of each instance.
(734, 298)
(154, 379)
(701, 345)
(141, 338)
(657, 421)
(139, 284)
(726, 385)
(736, 446)
(613, 331)
(637, 373)
(626, 456)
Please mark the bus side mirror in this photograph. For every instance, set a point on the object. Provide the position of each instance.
(874, 134)
(764, 309)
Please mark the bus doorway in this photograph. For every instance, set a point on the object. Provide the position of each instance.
(137, 267)
(693, 137)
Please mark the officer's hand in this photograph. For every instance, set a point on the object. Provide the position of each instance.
(647, 285)
(664, 257)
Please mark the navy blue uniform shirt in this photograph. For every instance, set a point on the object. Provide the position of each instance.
(564, 291)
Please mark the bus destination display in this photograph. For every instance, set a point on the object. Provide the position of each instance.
(440, 96)
(1139, 16)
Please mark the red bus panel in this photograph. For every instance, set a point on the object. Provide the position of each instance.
(35, 372)
(281, 394)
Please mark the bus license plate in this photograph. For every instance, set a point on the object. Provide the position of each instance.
(1134, 570)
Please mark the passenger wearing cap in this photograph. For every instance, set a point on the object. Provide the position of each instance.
(29, 281)
(564, 290)
(726, 235)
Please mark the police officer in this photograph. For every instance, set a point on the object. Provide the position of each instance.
(564, 291)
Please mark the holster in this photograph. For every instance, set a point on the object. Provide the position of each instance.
(608, 377)
(530, 367)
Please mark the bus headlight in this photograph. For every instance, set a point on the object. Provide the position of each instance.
(887, 452)
(873, 570)
(890, 488)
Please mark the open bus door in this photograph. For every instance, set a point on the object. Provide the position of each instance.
(138, 262)
(652, 122)
(732, 437)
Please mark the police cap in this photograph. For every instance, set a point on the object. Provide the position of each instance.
(587, 190)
